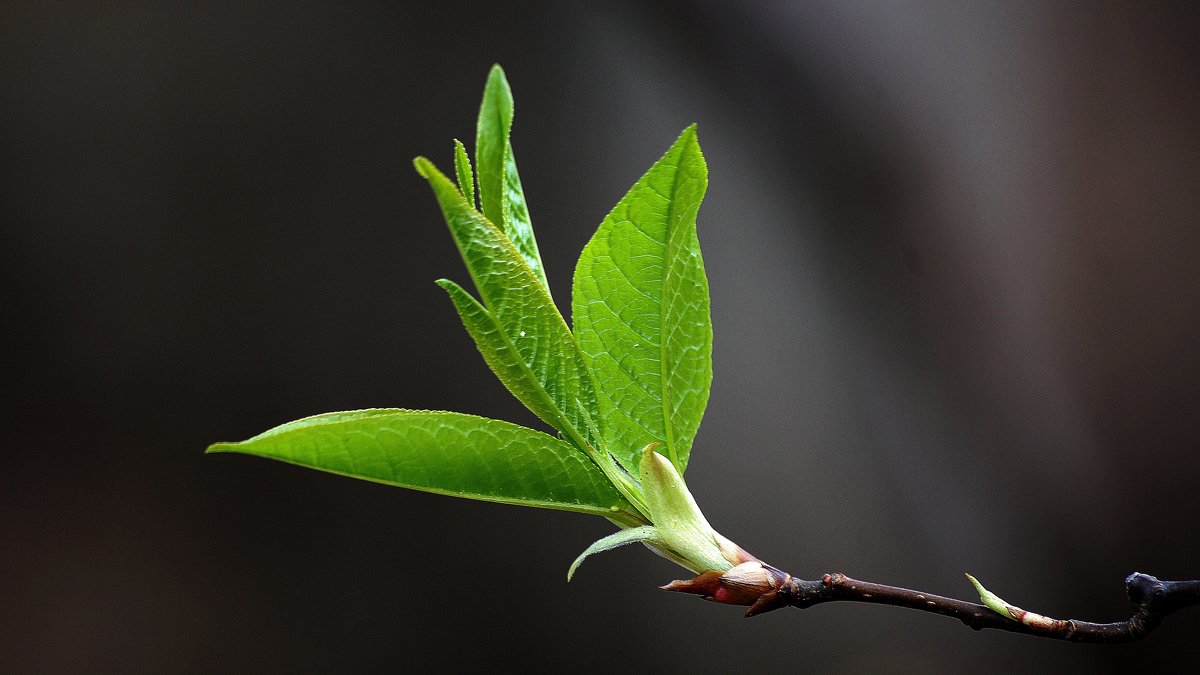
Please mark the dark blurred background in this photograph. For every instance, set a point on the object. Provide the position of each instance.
(953, 256)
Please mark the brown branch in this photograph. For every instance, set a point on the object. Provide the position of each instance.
(1152, 601)
(765, 588)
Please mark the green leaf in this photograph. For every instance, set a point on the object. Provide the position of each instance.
(491, 139)
(445, 453)
(502, 356)
(522, 310)
(634, 534)
(501, 196)
(641, 310)
(462, 167)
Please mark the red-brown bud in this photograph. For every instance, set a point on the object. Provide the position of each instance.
(756, 584)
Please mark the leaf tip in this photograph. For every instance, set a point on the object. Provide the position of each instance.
(497, 92)
(691, 140)
(688, 136)
(649, 461)
(978, 586)
(991, 600)
(423, 166)
(220, 447)
(456, 292)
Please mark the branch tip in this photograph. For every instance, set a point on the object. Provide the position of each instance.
(1152, 599)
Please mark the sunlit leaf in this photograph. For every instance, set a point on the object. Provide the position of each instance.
(501, 197)
(446, 453)
(522, 310)
(640, 307)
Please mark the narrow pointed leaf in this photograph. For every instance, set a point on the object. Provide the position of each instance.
(644, 533)
(445, 453)
(502, 356)
(491, 137)
(462, 167)
(641, 310)
(501, 197)
(517, 224)
(522, 309)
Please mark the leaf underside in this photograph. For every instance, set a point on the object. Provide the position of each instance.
(445, 453)
(641, 310)
(645, 533)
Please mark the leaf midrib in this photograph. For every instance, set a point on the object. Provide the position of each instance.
(662, 313)
(557, 506)
(498, 119)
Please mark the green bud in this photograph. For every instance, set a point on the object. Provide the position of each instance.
(990, 599)
(1010, 611)
(681, 533)
(681, 527)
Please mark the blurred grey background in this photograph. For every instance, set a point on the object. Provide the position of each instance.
(953, 256)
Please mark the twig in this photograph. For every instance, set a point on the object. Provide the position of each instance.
(765, 588)
(1152, 601)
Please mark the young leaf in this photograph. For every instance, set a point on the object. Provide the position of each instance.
(641, 310)
(680, 532)
(502, 356)
(522, 310)
(501, 196)
(445, 453)
(644, 533)
(462, 167)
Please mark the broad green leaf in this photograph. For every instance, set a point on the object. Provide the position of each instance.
(641, 310)
(501, 196)
(462, 167)
(446, 453)
(644, 533)
(522, 310)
